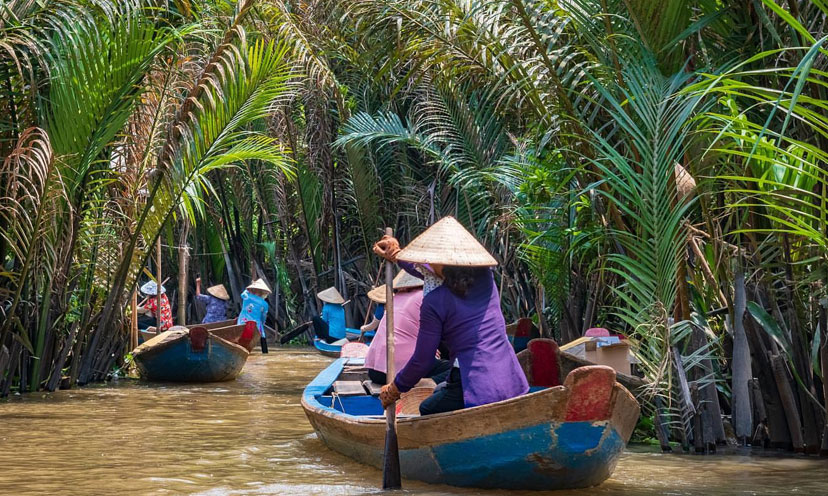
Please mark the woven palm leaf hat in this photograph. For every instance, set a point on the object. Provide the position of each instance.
(403, 280)
(219, 291)
(260, 285)
(331, 295)
(447, 242)
(151, 289)
(377, 294)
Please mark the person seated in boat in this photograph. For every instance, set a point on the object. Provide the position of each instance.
(330, 326)
(254, 308)
(154, 304)
(464, 311)
(408, 296)
(215, 300)
(377, 295)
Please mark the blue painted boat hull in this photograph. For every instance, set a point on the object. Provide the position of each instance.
(327, 349)
(521, 443)
(174, 360)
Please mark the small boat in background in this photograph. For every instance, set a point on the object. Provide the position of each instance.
(225, 329)
(330, 349)
(521, 332)
(191, 355)
(562, 434)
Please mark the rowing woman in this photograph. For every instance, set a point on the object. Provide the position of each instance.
(464, 312)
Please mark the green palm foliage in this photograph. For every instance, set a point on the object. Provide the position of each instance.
(98, 195)
(657, 168)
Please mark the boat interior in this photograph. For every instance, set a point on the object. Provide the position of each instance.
(354, 393)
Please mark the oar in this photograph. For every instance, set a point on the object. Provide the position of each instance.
(391, 478)
(295, 332)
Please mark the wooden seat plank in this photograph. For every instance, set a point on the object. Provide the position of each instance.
(348, 388)
(372, 387)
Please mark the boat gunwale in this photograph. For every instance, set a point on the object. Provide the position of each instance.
(310, 403)
(161, 347)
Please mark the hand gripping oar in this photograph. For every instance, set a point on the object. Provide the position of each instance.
(391, 478)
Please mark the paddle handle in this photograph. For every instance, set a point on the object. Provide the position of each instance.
(158, 287)
(391, 478)
(389, 318)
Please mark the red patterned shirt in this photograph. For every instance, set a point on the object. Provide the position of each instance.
(166, 312)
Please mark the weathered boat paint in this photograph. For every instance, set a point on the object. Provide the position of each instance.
(233, 333)
(174, 360)
(568, 436)
(214, 325)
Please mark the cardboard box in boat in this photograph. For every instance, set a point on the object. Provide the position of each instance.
(610, 351)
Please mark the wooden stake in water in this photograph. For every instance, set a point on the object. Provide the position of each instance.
(158, 286)
(391, 478)
(133, 321)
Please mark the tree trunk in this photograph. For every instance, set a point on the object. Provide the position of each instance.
(742, 415)
(183, 262)
(777, 423)
(788, 402)
(708, 395)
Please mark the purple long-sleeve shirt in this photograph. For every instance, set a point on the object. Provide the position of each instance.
(474, 330)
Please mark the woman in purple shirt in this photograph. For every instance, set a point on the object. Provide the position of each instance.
(464, 313)
(215, 300)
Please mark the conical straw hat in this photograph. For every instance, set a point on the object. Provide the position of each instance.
(151, 289)
(685, 183)
(259, 284)
(219, 291)
(405, 280)
(447, 242)
(377, 294)
(331, 295)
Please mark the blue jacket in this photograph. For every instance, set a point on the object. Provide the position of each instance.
(254, 308)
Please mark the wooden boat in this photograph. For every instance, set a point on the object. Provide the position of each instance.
(225, 329)
(189, 355)
(145, 335)
(570, 362)
(329, 349)
(355, 334)
(233, 333)
(214, 325)
(566, 436)
(521, 332)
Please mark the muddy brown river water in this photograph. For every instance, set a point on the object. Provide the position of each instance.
(251, 437)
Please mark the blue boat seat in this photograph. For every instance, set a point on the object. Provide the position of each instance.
(353, 405)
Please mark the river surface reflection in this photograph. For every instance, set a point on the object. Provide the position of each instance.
(251, 437)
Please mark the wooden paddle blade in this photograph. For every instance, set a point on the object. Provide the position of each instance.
(391, 478)
(295, 332)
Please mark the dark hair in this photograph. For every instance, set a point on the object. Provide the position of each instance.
(459, 279)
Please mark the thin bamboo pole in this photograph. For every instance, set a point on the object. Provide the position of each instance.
(158, 287)
(183, 261)
(133, 321)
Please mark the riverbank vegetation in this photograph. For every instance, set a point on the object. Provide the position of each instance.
(657, 168)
